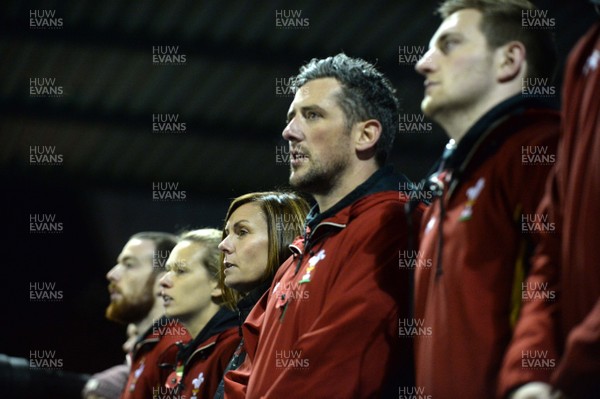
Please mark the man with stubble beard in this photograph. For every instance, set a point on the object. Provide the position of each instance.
(328, 327)
(133, 291)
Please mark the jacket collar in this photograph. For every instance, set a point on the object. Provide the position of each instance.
(384, 179)
(248, 301)
(245, 305)
(484, 127)
(223, 320)
(384, 184)
(151, 335)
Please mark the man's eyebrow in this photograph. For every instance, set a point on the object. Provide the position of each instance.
(311, 107)
(444, 36)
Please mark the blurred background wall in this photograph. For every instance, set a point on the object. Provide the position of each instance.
(107, 107)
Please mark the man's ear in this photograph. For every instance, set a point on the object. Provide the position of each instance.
(512, 61)
(368, 135)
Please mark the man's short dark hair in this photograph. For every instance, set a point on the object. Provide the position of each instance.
(163, 245)
(366, 94)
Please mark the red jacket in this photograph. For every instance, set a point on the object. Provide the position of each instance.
(568, 331)
(328, 327)
(200, 364)
(468, 296)
(157, 346)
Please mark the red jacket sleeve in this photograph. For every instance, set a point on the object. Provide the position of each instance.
(577, 372)
(236, 381)
(536, 328)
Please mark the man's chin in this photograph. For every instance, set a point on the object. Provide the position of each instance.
(310, 185)
(116, 312)
(301, 184)
(296, 179)
(125, 313)
(427, 107)
(293, 180)
(113, 315)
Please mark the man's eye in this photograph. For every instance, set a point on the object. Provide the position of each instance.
(242, 232)
(312, 115)
(448, 45)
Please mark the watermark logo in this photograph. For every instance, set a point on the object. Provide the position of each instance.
(413, 327)
(285, 87)
(291, 359)
(291, 19)
(44, 223)
(413, 260)
(282, 154)
(537, 155)
(167, 191)
(537, 19)
(167, 123)
(165, 327)
(536, 291)
(159, 259)
(45, 87)
(167, 393)
(44, 359)
(415, 191)
(537, 360)
(413, 123)
(288, 87)
(412, 392)
(44, 155)
(44, 291)
(177, 266)
(410, 55)
(290, 292)
(44, 19)
(168, 55)
(537, 87)
(536, 223)
(288, 222)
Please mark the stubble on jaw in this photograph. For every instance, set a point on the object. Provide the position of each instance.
(320, 179)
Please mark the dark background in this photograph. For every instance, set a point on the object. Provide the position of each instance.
(225, 93)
